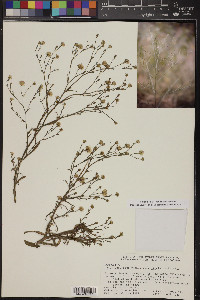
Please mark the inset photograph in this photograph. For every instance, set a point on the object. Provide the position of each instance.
(166, 65)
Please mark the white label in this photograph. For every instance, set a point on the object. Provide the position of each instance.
(159, 204)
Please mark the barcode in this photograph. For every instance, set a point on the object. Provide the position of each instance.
(84, 291)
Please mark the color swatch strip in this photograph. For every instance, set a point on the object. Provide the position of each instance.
(63, 8)
(74, 8)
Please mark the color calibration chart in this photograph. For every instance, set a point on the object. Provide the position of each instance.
(63, 8)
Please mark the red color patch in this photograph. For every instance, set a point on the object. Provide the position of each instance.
(23, 4)
(77, 4)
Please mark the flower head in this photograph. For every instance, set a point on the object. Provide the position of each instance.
(141, 152)
(80, 66)
(22, 83)
(101, 142)
(88, 149)
(104, 192)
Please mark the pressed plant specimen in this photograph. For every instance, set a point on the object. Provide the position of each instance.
(83, 187)
(157, 65)
(96, 94)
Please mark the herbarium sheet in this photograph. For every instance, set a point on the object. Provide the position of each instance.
(98, 160)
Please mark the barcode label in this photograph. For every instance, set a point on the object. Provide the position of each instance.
(81, 291)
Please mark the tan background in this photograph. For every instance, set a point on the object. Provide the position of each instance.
(167, 173)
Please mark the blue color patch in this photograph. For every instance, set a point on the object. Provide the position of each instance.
(85, 4)
(9, 4)
(46, 4)
(77, 11)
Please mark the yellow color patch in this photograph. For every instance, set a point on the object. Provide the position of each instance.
(31, 4)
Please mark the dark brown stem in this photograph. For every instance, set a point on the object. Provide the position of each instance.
(15, 180)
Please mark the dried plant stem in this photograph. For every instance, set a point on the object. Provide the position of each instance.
(96, 95)
(81, 186)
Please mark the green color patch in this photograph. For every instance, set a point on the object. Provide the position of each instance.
(70, 11)
(16, 4)
(62, 4)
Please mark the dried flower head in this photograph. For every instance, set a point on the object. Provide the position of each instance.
(22, 83)
(127, 145)
(104, 192)
(88, 149)
(79, 46)
(141, 152)
(101, 142)
(81, 208)
(62, 44)
(48, 54)
(80, 66)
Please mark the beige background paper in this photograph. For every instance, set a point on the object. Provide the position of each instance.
(166, 137)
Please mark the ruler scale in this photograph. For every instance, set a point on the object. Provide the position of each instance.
(145, 9)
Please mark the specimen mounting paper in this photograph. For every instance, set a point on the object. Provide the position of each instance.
(166, 137)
